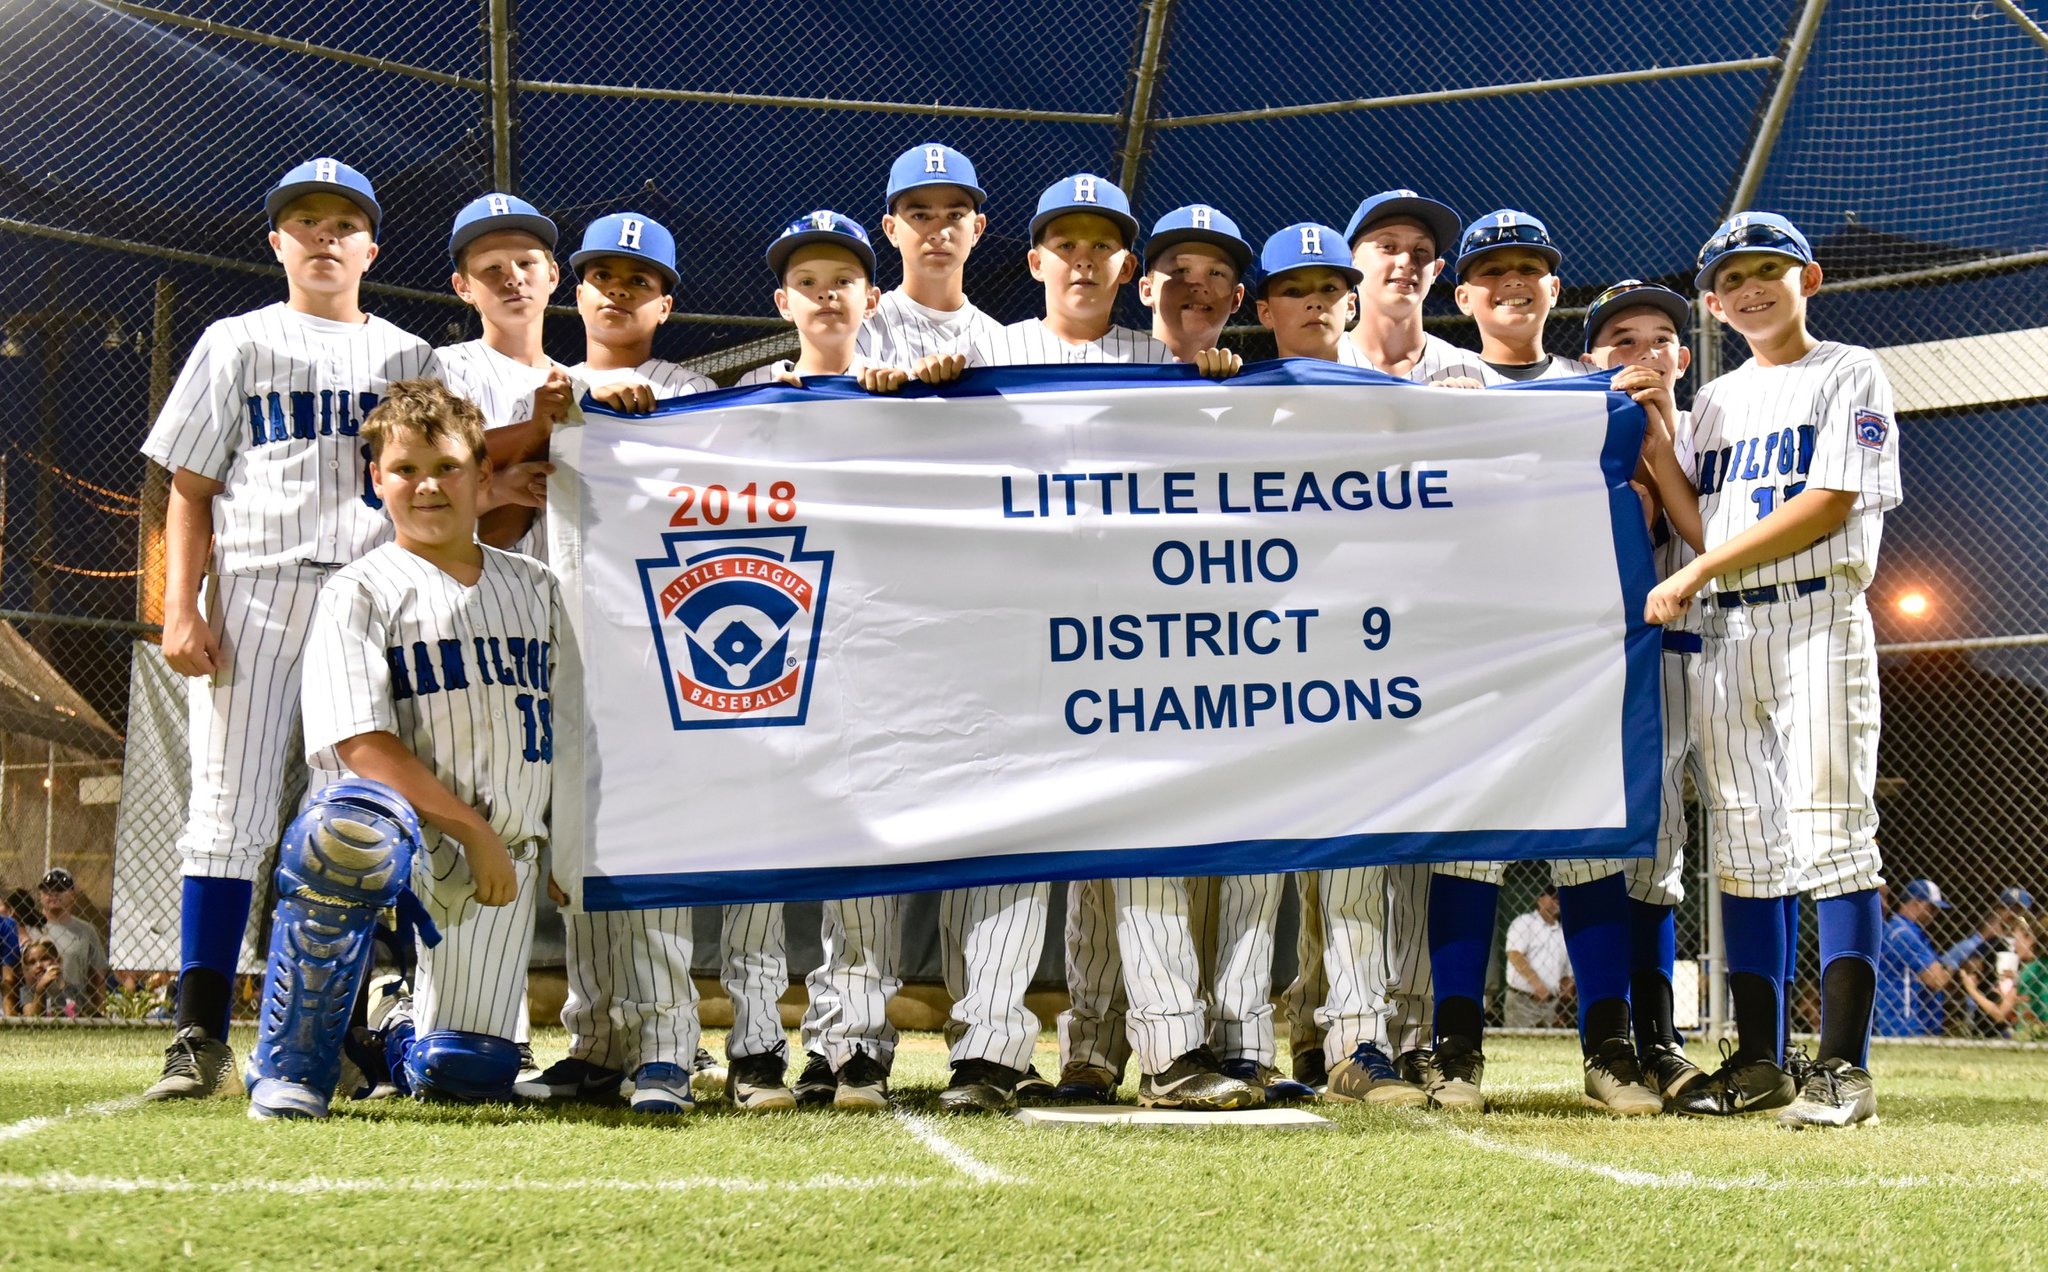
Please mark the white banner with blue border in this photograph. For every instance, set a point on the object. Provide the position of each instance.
(1057, 623)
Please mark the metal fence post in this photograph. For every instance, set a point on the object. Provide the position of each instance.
(498, 20)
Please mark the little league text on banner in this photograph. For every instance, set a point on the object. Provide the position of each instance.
(1069, 623)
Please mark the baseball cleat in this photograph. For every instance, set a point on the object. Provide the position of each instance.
(707, 1076)
(754, 1084)
(1366, 1076)
(817, 1085)
(529, 1068)
(1418, 1065)
(1086, 1084)
(1615, 1082)
(1667, 1070)
(662, 1088)
(274, 1099)
(863, 1084)
(1460, 1067)
(981, 1086)
(365, 1069)
(1033, 1091)
(1737, 1088)
(1196, 1083)
(1836, 1093)
(1312, 1068)
(1277, 1086)
(571, 1078)
(195, 1066)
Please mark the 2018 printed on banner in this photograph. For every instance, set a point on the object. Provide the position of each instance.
(1065, 623)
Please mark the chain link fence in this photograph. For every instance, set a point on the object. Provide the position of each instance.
(1909, 137)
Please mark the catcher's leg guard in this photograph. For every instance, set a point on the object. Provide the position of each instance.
(468, 1068)
(344, 861)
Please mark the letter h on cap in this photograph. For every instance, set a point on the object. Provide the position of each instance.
(1200, 217)
(629, 232)
(1311, 240)
(1084, 189)
(324, 170)
(499, 205)
(934, 158)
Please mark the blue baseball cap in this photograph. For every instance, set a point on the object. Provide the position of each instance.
(630, 234)
(821, 226)
(1199, 223)
(929, 165)
(324, 176)
(497, 211)
(1440, 219)
(2016, 898)
(1085, 192)
(1634, 293)
(1926, 890)
(1304, 245)
(1751, 232)
(1505, 227)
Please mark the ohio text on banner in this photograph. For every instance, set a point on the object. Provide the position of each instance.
(1068, 623)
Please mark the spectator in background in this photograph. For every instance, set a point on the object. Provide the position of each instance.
(1539, 970)
(1910, 972)
(78, 942)
(46, 993)
(2032, 981)
(11, 938)
(1987, 970)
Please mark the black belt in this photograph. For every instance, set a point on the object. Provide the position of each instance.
(1769, 593)
(1683, 642)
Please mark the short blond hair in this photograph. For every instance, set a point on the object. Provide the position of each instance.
(429, 410)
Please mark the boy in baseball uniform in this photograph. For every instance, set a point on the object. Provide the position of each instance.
(269, 494)
(1795, 459)
(429, 669)
(1637, 329)
(632, 1005)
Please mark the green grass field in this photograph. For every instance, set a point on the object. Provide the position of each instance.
(1956, 1176)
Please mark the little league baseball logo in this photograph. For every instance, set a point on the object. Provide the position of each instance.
(1871, 428)
(737, 615)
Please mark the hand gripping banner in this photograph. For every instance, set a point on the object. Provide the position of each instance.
(1068, 623)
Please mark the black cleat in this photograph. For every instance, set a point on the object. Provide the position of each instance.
(1312, 1068)
(1196, 1083)
(1668, 1070)
(1034, 1091)
(981, 1086)
(571, 1078)
(1737, 1088)
(1460, 1067)
(1615, 1083)
(817, 1084)
(863, 1084)
(1835, 1093)
(754, 1083)
(196, 1065)
(1418, 1065)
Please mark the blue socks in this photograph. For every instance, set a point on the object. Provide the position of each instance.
(1461, 919)
(1595, 918)
(1652, 949)
(1757, 951)
(1851, 933)
(212, 918)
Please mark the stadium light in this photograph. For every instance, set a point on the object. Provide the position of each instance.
(1915, 604)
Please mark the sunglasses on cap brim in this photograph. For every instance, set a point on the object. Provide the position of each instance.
(1751, 238)
(1504, 236)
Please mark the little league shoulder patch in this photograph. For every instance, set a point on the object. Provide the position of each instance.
(736, 617)
(1871, 429)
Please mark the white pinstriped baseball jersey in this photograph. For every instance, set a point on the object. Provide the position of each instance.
(462, 675)
(902, 332)
(270, 404)
(1439, 360)
(1759, 435)
(667, 379)
(1674, 553)
(1032, 343)
(768, 373)
(503, 389)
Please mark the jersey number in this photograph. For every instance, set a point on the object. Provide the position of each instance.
(538, 717)
(1766, 498)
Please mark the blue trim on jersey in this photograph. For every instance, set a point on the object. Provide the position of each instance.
(818, 883)
(1642, 724)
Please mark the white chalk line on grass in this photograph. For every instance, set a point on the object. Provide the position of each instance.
(42, 1122)
(67, 1182)
(927, 1133)
(1629, 1177)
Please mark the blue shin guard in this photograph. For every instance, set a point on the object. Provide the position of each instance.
(467, 1068)
(344, 862)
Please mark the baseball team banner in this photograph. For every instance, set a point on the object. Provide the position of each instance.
(1082, 622)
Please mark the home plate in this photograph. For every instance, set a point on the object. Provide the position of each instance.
(1129, 1115)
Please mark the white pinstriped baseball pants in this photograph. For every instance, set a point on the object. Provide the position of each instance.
(990, 939)
(475, 979)
(753, 966)
(1788, 726)
(851, 987)
(631, 1000)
